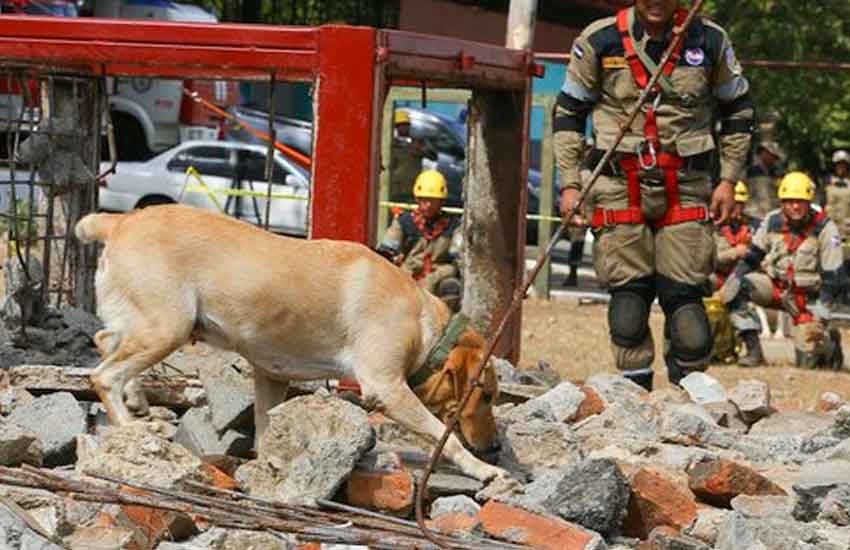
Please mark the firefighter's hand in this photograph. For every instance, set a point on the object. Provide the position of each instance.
(741, 250)
(569, 198)
(722, 202)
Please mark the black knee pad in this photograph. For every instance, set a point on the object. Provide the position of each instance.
(690, 332)
(628, 318)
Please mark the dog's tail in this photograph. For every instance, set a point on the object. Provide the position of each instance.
(97, 227)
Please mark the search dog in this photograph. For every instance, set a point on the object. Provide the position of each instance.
(295, 309)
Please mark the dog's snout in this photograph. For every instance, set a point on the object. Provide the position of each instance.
(490, 454)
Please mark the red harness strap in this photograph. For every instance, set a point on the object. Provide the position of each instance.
(676, 213)
(641, 75)
(741, 236)
(792, 243)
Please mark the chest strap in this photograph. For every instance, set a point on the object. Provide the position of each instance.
(440, 352)
(670, 164)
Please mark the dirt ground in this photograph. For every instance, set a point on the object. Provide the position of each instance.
(573, 339)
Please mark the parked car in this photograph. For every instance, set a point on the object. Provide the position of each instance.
(293, 132)
(226, 171)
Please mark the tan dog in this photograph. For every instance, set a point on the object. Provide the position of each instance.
(295, 309)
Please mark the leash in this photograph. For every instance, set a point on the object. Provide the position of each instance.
(519, 294)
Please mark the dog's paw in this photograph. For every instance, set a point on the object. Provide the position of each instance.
(491, 473)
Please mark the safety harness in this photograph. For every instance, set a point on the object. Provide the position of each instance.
(648, 153)
(743, 235)
(792, 243)
(438, 354)
(429, 234)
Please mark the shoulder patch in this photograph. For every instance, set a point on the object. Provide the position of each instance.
(835, 241)
(694, 56)
(615, 62)
(578, 52)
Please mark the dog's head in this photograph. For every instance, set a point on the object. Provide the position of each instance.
(443, 392)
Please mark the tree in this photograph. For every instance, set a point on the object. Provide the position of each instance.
(813, 105)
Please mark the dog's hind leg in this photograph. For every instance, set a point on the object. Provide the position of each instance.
(402, 405)
(133, 356)
(268, 393)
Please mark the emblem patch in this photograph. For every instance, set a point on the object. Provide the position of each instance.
(732, 61)
(614, 63)
(694, 56)
(578, 52)
(835, 241)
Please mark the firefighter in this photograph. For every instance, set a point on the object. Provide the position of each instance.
(763, 178)
(733, 238)
(423, 241)
(799, 249)
(406, 156)
(838, 196)
(654, 201)
(733, 242)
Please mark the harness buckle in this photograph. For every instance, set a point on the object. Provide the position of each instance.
(650, 150)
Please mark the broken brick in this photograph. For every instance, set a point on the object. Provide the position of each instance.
(385, 491)
(523, 527)
(657, 500)
(592, 404)
(717, 482)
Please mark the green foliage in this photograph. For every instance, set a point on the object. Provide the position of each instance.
(813, 105)
(375, 13)
(25, 225)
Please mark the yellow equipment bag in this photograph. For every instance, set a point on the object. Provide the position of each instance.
(726, 344)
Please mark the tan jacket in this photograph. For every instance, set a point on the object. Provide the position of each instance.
(838, 204)
(404, 238)
(708, 86)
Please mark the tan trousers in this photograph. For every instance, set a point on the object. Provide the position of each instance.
(683, 253)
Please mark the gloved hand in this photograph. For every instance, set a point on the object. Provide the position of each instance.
(730, 289)
(821, 311)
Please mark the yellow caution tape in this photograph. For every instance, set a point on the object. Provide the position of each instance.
(202, 187)
(454, 210)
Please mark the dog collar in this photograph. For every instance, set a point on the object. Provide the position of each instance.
(440, 351)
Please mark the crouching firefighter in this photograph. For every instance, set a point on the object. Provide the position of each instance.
(426, 242)
(652, 218)
(799, 249)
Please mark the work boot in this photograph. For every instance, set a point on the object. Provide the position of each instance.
(642, 378)
(572, 278)
(837, 362)
(754, 356)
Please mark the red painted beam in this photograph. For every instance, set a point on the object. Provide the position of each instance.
(344, 204)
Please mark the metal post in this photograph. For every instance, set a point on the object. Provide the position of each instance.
(521, 18)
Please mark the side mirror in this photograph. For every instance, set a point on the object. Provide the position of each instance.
(292, 180)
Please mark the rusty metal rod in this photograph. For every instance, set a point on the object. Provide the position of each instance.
(519, 294)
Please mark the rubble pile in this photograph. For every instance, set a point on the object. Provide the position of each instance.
(601, 465)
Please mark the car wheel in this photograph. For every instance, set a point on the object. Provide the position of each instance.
(153, 201)
(130, 138)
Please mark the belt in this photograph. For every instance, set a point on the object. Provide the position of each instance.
(701, 162)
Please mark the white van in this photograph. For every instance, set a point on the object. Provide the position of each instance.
(152, 114)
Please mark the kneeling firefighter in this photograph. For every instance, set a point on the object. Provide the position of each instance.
(799, 249)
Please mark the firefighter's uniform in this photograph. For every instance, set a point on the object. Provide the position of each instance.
(763, 181)
(801, 274)
(837, 191)
(653, 234)
(406, 154)
(427, 248)
(732, 240)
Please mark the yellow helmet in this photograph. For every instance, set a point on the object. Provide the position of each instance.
(797, 185)
(430, 184)
(401, 117)
(742, 194)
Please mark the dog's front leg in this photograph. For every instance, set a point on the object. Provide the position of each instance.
(402, 405)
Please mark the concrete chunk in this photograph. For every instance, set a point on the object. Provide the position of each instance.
(752, 397)
(197, 433)
(18, 445)
(56, 419)
(15, 531)
(230, 397)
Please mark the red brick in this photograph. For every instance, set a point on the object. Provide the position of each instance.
(517, 525)
(220, 479)
(657, 500)
(382, 491)
(156, 524)
(309, 546)
(829, 401)
(717, 482)
(455, 523)
(592, 404)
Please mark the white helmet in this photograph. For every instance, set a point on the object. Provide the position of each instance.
(840, 156)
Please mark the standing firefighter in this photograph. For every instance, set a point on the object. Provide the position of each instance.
(800, 251)
(838, 196)
(422, 241)
(652, 225)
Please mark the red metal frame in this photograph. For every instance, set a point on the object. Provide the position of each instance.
(352, 68)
